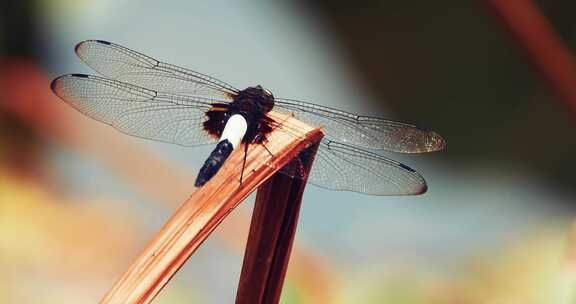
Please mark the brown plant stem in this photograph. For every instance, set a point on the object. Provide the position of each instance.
(206, 208)
(272, 233)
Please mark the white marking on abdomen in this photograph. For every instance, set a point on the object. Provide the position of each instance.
(234, 130)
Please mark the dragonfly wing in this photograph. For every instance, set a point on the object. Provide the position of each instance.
(137, 111)
(366, 131)
(340, 166)
(123, 64)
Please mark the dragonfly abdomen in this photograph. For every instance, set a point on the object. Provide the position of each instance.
(231, 138)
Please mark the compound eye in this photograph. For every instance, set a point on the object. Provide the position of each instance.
(267, 92)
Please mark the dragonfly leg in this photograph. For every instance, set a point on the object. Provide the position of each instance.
(267, 150)
(260, 139)
(244, 162)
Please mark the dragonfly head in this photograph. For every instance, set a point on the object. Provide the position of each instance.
(260, 90)
(258, 96)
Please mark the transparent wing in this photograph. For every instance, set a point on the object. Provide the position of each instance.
(123, 64)
(340, 166)
(137, 111)
(365, 131)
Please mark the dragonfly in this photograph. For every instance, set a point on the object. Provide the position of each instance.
(147, 98)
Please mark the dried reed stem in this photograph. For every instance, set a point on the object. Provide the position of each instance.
(205, 209)
(272, 233)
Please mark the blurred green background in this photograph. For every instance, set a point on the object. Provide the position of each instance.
(79, 200)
